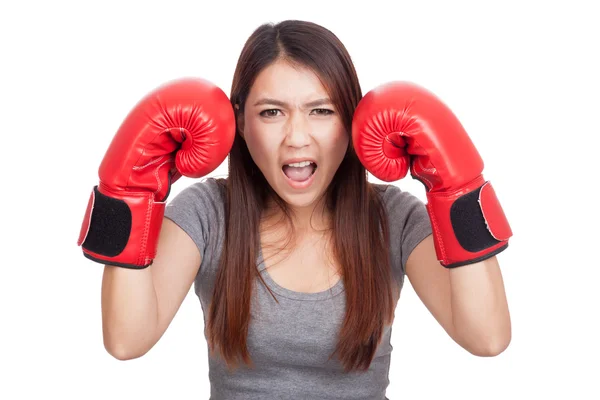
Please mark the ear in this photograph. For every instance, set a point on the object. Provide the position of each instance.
(239, 120)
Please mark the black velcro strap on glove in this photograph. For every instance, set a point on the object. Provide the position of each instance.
(469, 224)
(110, 226)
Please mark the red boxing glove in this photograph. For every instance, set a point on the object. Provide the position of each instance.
(400, 125)
(185, 127)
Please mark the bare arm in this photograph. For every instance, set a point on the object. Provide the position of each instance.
(469, 302)
(139, 305)
(479, 306)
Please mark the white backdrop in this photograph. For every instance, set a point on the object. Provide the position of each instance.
(521, 75)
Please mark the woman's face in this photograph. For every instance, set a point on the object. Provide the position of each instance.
(293, 132)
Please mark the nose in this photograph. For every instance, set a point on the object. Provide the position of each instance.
(298, 131)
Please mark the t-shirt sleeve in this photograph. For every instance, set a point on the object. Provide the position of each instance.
(409, 224)
(198, 210)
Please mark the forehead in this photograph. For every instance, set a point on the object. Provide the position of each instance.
(287, 82)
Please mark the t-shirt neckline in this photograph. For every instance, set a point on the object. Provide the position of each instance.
(291, 294)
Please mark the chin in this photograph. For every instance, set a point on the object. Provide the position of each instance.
(303, 200)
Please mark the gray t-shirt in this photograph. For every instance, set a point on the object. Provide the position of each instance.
(290, 341)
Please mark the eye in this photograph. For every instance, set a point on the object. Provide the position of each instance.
(323, 111)
(269, 113)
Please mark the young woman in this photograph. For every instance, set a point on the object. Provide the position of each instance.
(298, 261)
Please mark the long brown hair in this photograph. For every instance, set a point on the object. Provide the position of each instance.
(359, 225)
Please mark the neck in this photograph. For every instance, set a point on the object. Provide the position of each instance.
(310, 219)
(306, 220)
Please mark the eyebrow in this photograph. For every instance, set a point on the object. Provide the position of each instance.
(279, 103)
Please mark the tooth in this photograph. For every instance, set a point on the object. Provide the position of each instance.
(300, 164)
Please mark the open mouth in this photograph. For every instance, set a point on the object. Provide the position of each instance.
(299, 171)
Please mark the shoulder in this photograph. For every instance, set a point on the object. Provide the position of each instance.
(392, 197)
(204, 199)
(408, 223)
(208, 189)
(406, 213)
(199, 209)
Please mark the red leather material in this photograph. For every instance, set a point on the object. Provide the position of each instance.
(449, 250)
(426, 136)
(146, 222)
(85, 226)
(187, 125)
(494, 216)
(427, 129)
(184, 127)
(377, 139)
